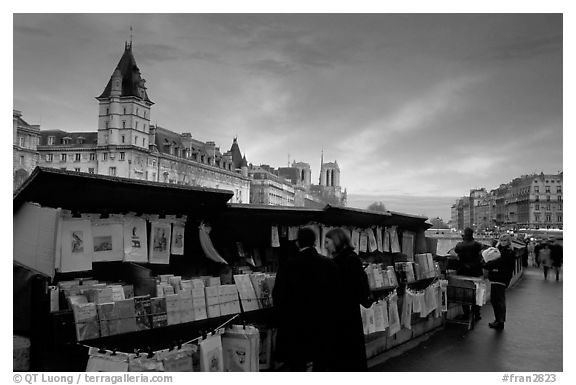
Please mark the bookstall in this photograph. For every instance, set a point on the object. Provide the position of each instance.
(409, 295)
(120, 274)
(112, 274)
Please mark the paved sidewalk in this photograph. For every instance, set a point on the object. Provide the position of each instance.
(531, 341)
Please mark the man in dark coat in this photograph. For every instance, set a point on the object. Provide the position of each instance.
(557, 256)
(470, 263)
(301, 296)
(500, 273)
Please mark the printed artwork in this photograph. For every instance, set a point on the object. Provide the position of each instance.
(160, 235)
(135, 241)
(77, 241)
(160, 240)
(211, 355)
(103, 243)
(177, 247)
(77, 249)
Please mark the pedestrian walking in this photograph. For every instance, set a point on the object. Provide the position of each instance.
(302, 306)
(531, 254)
(470, 264)
(557, 257)
(500, 273)
(353, 291)
(544, 253)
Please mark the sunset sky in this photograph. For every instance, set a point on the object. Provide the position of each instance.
(419, 105)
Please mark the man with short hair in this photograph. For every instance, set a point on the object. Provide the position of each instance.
(302, 298)
(470, 263)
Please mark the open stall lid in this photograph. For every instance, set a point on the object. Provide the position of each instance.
(99, 193)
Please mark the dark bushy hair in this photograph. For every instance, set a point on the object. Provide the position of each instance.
(306, 237)
(340, 238)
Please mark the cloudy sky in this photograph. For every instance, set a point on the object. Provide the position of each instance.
(420, 105)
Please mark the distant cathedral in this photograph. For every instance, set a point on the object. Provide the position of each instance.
(328, 189)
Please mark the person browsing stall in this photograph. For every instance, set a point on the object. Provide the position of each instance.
(500, 271)
(303, 286)
(353, 290)
(470, 263)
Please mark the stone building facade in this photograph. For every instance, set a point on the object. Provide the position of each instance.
(127, 145)
(530, 201)
(25, 138)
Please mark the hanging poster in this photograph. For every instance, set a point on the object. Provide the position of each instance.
(394, 242)
(77, 246)
(177, 244)
(379, 322)
(316, 229)
(364, 315)
(141, 363)
(178, 360)
(293, 233)
(159, 250)
(372, 244)
(444, 295)
(108, 240)
(355, 240)
(407, 310)
(393, 316)
(408, 245)
(211, 355)
(363, 242)
(237, 352)
(106, 362)
(379, 240)
(275, 237)
(384, 306)
(386, 240)
(135, 240)
(34, 234)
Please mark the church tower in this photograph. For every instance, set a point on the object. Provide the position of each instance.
(124, 106)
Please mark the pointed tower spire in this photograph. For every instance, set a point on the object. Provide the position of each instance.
(321, 163)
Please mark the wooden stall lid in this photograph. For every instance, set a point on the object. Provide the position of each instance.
(84, 192)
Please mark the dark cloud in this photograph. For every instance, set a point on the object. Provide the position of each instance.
(523, 49)
(31, 31)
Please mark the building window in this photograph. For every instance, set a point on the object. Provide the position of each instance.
(105, 156)
(77, 169)
(123, 138)
(124, 110)
(123, 124)
(91, 170)
(92, 156)
(21, 160)
(77, 158)
(548, 207)
(122, 156)
(63, 157)
(144, 142)
(547, 189)
(558, 190)
(537, 207)
(112, 171)
(536, 189)
(144, 114)
(559, 198)
(107, 111)
(21, 141)
(136, 140)
(49, 157)
(548, 218)
(559, 218)
(548, 198)
(537, 217)
(136, 125)
(154, 176)
(144, 127)
(50, 140)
